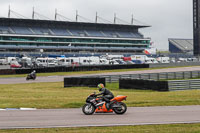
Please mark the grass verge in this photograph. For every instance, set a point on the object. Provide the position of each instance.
(54, 95)
(173, 128)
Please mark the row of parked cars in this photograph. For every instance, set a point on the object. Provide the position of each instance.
(32, 62)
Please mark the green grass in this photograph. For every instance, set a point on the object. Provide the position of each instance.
(173, 128)
(54, 95)
(83, 72)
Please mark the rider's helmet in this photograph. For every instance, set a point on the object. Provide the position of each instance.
(34, 71)
(100, 86)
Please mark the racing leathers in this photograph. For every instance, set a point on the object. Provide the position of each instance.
(107, 95)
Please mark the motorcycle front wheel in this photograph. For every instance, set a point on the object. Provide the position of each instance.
(121, 109)
(88, 109)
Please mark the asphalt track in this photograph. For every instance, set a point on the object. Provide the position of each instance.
(61, 78)
(50, 118)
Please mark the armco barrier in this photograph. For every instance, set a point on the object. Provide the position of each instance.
(72, 68)
(86, 81)
(174, 64)
(184, 84)
(143, 84)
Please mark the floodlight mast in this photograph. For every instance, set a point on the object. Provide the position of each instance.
(132, 20)
(96, 18)
(33, 14)
(76, 15)
(115, 18)
(55, 14)
(9, 11)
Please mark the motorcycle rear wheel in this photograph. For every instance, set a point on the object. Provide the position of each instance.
(88, 109)
(120, 110)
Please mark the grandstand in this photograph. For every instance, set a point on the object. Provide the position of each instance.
(180, 45)
(30, 35)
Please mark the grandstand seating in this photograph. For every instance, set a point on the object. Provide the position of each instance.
(4, 30)
(124, 34)
(61, 32)
(110, 33)
(137, 35)
(21, 30)
(95, 33)
(76, 32)
(181, 45)
(41, 31)
(68, 32)
(27, 35)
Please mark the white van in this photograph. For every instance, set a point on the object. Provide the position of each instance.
(10, 59)
(46, 62)
(74, 61)
(150, 60)
(64, 61)
(94, 60)
(163, 59)
(3, 61)
(103, 62)
(88, 61)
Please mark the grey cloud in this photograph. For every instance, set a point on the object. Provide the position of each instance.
(169, 18)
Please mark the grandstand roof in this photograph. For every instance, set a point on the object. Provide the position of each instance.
(181, 45)
(63, 24)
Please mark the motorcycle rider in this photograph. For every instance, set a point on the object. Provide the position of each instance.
(33, 74)
(107, 95)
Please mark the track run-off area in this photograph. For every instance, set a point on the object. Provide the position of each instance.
(61, 78)
(50, 118)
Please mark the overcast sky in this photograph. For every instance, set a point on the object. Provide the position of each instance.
(168, 18)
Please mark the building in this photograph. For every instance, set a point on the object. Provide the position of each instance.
(29, 35)
(180, 45)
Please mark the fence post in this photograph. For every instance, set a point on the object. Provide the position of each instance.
(198, 74)
(119, 77)
(140, 76)
(190, 74)
(189, 86)
(167, 76)
(158, 76)
(149, 76)
(183, 75)
(174, 75)
(110, 79)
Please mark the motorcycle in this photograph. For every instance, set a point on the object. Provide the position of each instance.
(97, 105)
(31, 76)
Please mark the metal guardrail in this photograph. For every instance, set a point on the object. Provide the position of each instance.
(153, 76)
(172, 84)
(174, 64)
(183, 84)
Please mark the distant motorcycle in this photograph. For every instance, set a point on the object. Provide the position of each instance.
(31, 76)
(97, 105)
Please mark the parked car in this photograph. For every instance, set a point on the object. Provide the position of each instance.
(15, 64)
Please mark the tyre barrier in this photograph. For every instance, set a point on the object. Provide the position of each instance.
(143, 84)
(84, 81)
(71, 68)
